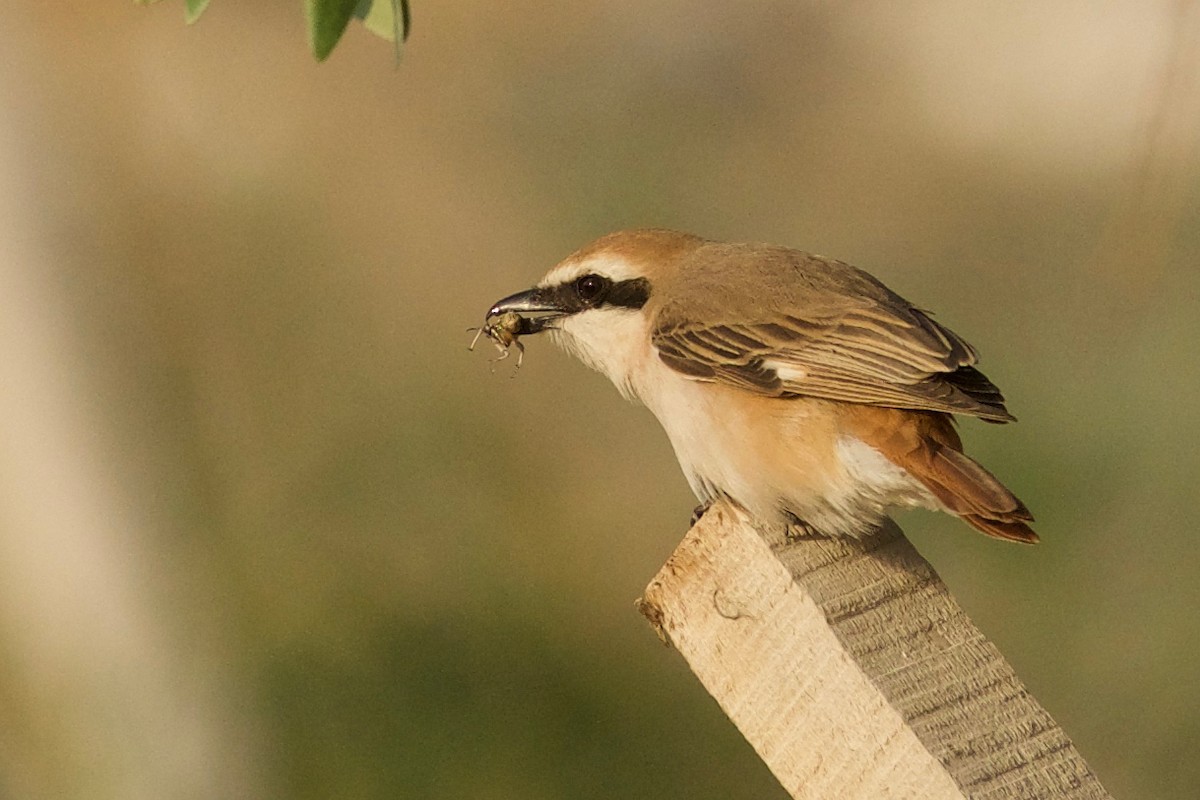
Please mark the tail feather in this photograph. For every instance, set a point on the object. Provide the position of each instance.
(928, 447)
(973, 493)
(978, 491)
(1009, 531)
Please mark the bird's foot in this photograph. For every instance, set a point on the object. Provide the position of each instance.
(699, 510)
(798, 529)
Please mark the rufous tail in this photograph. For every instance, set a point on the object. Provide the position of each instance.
(974, 494)
(927, 446)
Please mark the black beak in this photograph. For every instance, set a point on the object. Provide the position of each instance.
(531, 301)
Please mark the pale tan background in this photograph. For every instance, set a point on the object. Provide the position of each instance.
(267, 529)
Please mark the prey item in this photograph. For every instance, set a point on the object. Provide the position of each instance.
(505, 332)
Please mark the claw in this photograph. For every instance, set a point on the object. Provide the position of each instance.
(798, 529)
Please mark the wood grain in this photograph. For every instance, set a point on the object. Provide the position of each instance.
(852, 671)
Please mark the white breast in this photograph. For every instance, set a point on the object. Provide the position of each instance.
(773, 456)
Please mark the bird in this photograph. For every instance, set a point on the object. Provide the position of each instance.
(798, 387)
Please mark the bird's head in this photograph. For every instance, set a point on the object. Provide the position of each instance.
(595, 301)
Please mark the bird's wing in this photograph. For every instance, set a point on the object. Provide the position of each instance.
(862, 347)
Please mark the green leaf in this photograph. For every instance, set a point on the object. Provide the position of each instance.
(194, 9)
(327, 20)
(389, 19)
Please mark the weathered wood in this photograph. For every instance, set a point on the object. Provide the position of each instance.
(852, 671)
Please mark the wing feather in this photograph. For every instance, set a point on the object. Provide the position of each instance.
(862, 344)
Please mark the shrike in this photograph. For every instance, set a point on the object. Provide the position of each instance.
(799, 387)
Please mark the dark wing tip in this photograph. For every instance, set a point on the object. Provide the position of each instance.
(976, 394)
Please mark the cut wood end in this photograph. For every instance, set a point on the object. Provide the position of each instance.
(654, 615)
(851, 670)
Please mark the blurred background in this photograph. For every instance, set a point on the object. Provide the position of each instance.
(268, 529)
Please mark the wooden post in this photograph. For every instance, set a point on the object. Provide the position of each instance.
(852, 671)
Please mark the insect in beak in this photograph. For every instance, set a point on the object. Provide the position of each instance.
(505, 331)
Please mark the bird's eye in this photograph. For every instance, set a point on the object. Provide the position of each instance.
(590, 287)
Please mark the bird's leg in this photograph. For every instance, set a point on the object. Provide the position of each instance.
(797, 529)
